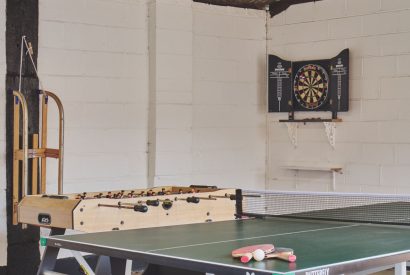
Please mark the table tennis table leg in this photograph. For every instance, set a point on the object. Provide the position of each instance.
(82, 262)
(400, 268)
(128, 267)
(48, 262)
(118, 266)
(104, 263)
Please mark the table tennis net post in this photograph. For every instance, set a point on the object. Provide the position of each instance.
(344, 207)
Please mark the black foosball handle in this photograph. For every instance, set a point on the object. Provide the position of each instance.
(193, 199)
(140, 208)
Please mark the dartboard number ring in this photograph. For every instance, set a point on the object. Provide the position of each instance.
(310, 86)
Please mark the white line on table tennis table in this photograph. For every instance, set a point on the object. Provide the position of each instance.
(252, 238)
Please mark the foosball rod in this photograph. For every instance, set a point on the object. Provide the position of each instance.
(233, 196)
(136, 208)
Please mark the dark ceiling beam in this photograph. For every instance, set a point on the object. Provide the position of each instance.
(275, 6)
(247, 4)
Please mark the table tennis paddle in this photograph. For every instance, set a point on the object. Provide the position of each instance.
(282, 253)
(245, 253)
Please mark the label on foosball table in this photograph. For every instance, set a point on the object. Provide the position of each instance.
(44, 219)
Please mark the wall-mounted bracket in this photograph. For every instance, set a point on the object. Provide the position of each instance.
(330, 128)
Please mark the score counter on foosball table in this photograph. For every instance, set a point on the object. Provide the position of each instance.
(131, 209)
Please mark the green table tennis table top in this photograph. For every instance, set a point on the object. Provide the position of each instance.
(319, 245)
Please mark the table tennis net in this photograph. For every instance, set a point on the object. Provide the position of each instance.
(348, 207)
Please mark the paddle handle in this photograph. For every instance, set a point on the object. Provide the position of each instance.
(286, 256)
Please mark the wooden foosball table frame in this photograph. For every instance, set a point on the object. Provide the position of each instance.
(141, 208)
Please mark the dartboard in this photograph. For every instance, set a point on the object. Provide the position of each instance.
(310, 86)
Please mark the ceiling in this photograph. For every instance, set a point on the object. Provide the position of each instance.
(275, 6)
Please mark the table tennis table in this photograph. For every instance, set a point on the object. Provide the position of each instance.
(322, 246)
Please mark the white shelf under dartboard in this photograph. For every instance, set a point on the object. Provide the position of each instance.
(326, 167)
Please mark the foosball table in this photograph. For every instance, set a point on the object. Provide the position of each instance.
(128, 209)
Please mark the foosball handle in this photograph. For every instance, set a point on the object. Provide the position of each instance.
(152, 202)
(192, 199)
(140, 208)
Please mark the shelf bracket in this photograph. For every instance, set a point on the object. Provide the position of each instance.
(330, 128)
(293, 133)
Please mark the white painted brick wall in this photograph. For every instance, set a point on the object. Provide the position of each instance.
(229, 124)
(174, 140)
(300, 13)
(171, 116)
(404, 21)
(373, 141)
(214, 92)
(3, 213)
(403, 65)
(93, 54)
(176, 42)
(375, 24)
(208, 71)
(371, 110)
(363, 46)
(324, 49)
(347, 27)
(395, 44)
(364, 89)
(174, 15)
(329, 9)
(208, 64)
(207, 22)
(174, 66)
(173, 74)
(376, 67)
(361, 7)
(394, 5)
(402, 154)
